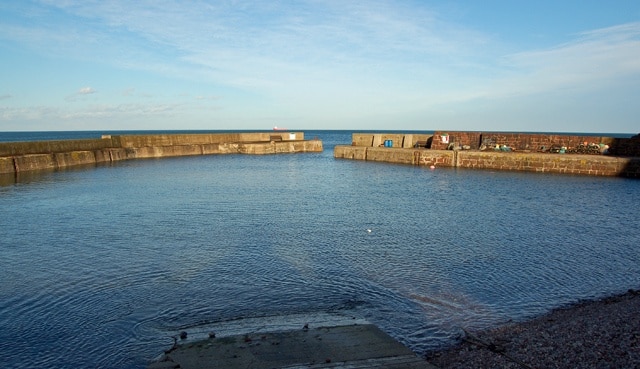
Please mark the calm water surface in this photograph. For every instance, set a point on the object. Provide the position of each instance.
(99, 267)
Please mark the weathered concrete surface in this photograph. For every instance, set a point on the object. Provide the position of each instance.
(110, 155)
(410, 140)
(163, 151)
(34, 162)
(53, 146)
(280, 147)
(629, 147)
(6, 165)
(50, 155)
(398, 139)
(351, 346)
(595, 165)
(66, 159)
(202, 139)
(442, 158)
(350, 152)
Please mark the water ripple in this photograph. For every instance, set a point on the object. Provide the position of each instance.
(101, 267)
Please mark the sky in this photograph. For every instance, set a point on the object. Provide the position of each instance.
(483, 65)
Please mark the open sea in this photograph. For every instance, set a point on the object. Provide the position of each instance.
(101, 266)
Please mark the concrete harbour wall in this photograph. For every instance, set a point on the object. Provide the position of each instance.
(396, 139)
(16, 157)
(533, 142)
(580, 164)
(550, 163)
(53, 146)
(439, 158)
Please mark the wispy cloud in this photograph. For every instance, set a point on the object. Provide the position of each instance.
(128, 112)
(594, 58)
(21, 114)
(117, 115)
(5, 97)
(130, 91)
(312, 59)
(86, 91)
(81, 92)
(211, 98)
(258, 44)
(119, 110)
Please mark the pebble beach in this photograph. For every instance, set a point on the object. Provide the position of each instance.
(591, 334)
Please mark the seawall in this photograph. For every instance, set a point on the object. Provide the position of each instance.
(371, 147)
(16, 157)
(533, 141)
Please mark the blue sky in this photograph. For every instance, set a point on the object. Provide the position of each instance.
(562, 66)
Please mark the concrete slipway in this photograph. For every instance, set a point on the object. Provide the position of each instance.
(317, 344)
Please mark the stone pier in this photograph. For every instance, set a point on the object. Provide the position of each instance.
(416, 149)
(16, 157)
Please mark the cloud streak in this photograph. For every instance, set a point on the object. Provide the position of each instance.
(42, 112)
(260, 42)
(83, 91)
(313, 60)
(86, 91)
(289, 45)
(595, 58)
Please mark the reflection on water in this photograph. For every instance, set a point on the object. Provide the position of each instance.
(101, 266)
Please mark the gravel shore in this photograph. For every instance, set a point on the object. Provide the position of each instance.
(594, 334)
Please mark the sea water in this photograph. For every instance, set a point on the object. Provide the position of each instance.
(100, 266)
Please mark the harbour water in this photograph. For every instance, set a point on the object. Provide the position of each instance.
(101, 266)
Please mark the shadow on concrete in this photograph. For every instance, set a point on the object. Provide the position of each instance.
(628, 148)
(631, 168)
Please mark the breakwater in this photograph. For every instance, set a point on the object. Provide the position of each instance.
(18, 157)
(516, 152)
(119, 259)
